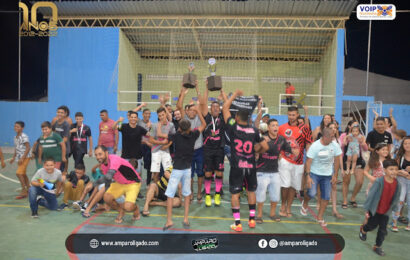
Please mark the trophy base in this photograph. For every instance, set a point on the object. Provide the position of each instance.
(188, 81)
(214, 83)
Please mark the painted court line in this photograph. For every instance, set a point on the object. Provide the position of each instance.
(212, 218)
(9, 179)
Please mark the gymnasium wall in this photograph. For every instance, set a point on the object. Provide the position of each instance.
(82, 75)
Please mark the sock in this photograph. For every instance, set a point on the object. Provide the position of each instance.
(207, 183)
(252, 211)
(236, 215)
(218, 184)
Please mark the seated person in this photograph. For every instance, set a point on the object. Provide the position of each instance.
(74, 185)
(156, 194)
(45, 185)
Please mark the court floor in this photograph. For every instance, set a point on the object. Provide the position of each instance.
(44, 238)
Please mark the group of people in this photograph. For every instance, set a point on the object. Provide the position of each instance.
(194, 140)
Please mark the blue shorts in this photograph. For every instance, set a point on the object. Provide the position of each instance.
(177, 176)
(197, 165)
(324, 184)
(110, 150)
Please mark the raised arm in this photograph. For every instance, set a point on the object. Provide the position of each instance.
(201, 128)
(163, 99)
(138, 108)
(115, 125)
(305, 108)
(393, 121)
(228, 103)
(180, 102)
(259, 116)
(203, 101)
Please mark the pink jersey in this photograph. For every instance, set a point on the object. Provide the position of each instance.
(107, 134)
(125, 173)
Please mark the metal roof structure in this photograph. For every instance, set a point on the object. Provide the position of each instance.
(289, 30)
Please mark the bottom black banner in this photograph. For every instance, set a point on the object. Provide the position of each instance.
(209, 243)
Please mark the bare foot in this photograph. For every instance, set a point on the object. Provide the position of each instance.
(136, 215)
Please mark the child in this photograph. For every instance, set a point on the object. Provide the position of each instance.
(398, 137)
(78, 140)
(184, 141)
(51, 145)
(353, 149)
(74, 185)
(22, 154)
(380, 153)
(383, 197)
(46, 184)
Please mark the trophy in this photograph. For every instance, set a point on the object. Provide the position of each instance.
(189, 79)
(214, 82)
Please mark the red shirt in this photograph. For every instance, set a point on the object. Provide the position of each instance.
(387, 196)
(107, 134)
(290, 90)
(295, 135)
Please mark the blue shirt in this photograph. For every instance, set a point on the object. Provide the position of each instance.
(323, 157)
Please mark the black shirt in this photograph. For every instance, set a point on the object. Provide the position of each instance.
(214, 133)
(373, 138)
(184, 148)
(72, 177)
(268, 162)
(78, 140)
(243, 139)
(131, 141)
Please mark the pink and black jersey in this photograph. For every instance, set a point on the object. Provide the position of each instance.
(214, 133)
(243, 139)
(268, 161)
(124, 172)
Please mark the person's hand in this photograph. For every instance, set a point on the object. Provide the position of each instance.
(143, 104)
(333, 181)
(239, 93)
(391, 111)
(309, 182)
(349, 138)
(149, 124)
(90, 153)
(260, 103)
(11, 161)
(305, 108)
(375, 113)
(407, 169)
(362, 140)
(121, 119)
(115, 149)
(372, 179)
(165, 141)
(63, 159)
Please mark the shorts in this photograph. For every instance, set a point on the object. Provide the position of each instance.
(110, 150)
(197, 165)
(360, 163)
(158, 158)
(214, 160)
(21, 169)
(268, 181)
(324, 184)
(290, 174)
(161, 194)
(238, 177)
(177, 176)
(129, 190)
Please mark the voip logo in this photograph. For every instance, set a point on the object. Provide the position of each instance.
(376, 12)
(41, 28)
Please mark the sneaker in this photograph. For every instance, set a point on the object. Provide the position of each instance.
(208, 200)
(362, 235)
(237, 228)
(303, 211)
(84, 207)
(94, 208)
(34, 214)
(77, 204)
(62, 207)
(252, 223)
(217, 199)
(407, 228)
(379, 251)
(394, 228)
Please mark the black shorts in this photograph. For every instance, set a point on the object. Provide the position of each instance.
(161, 194)
(214, 160)
(240, 177)
(359, 163)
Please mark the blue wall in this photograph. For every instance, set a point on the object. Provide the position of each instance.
(401, 113)
(82, 62)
